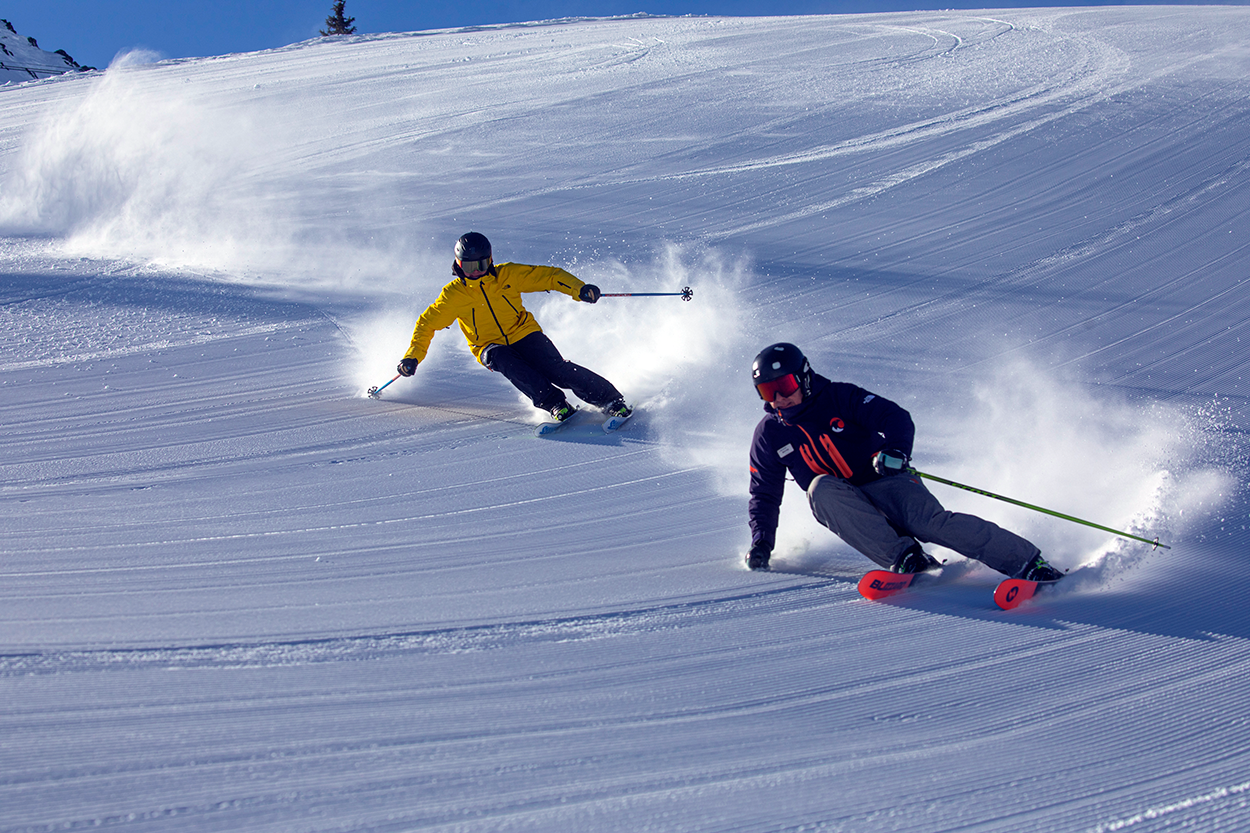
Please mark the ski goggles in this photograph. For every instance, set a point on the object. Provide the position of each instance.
(470, 267)
(781, 386)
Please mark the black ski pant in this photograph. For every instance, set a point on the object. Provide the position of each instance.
(538, 370)
(882, 519)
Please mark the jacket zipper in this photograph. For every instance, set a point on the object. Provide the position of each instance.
(499, 326)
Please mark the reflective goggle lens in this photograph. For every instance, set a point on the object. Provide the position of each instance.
(784, 386)
(471, 266)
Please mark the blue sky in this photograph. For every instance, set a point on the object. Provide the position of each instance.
(94, 31)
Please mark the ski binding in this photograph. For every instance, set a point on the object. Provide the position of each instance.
(551, 425)
(614, 422)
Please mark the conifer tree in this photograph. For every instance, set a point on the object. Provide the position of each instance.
(336, 24)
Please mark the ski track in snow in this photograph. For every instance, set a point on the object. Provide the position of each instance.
(239, 595)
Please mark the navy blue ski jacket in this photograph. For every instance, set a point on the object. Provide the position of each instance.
(835, 431)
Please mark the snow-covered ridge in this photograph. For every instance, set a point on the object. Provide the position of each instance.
(21, 59)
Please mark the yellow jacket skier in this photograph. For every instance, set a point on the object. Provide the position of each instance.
(485, 299)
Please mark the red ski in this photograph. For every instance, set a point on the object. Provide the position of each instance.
(878, 584)
(881, 584)
(1013, 592)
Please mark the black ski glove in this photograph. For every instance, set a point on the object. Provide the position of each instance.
(589, 293)
(890, 461)
(757, 558)
(407, 367)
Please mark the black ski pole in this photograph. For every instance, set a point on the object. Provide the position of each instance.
(686, 294)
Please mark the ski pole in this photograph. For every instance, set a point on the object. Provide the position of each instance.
(1155, 543)
(375, 390)
(686, 294)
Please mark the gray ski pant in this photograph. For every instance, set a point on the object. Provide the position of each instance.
(884, 518)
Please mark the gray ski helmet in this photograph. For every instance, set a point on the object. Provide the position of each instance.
(472, 246)
(782, 359)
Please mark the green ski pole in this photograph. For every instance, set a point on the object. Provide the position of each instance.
(1155, 543)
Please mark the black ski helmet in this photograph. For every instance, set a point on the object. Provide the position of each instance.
(777, 360)
(472, 246)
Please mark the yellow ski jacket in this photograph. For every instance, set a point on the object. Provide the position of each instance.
(489, 308)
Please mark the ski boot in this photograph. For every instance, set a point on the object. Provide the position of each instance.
(915, 560)
(1038, 570)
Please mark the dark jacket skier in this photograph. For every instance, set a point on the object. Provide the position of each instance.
(850, 450)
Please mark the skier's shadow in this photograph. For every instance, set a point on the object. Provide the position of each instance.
(591, 433)
(1156, 605)
(588, 430)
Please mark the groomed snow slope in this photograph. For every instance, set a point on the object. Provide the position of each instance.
(235, 594)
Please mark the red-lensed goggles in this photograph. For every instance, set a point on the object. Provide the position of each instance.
(470, 267)
(782, 386)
